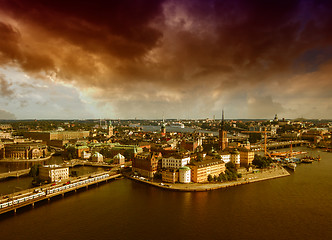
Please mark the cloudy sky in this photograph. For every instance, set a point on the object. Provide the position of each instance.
(181, 58)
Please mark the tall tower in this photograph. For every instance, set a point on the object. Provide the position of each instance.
(110, 129)
(223, 141)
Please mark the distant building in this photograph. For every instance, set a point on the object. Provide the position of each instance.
(110, 129)
(246, 157)
(53, 173)
(97, 157)
(119, 159)
(6, 135)
(5, 126)
(225, 156)
(23, 151)
(163, 129)
(201, 170)
(53, 135)
(191, 145)
(223, 140)
(86, 155)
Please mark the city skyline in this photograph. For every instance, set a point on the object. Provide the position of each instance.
(181, 59)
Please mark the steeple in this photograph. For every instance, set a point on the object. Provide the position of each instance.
(223, 141)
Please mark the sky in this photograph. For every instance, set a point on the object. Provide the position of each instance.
(184, 59)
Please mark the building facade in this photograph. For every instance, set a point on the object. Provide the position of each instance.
(201, 170)
(184, 174)
(246, 157)
(146, 163)
(53, 173)
(53, 135)
(23, 151)
(170, 175)
(175, 161)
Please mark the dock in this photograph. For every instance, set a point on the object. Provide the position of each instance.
(28, 197)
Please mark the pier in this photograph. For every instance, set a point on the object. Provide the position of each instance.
(28, 197)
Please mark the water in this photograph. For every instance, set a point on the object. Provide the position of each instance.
(294, 207)
(151, 128)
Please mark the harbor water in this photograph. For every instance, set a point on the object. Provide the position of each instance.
(294, 207)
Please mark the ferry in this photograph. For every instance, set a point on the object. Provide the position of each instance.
(177, 124)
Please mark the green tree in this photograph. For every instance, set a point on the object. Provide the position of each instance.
(34, 170)
(210, 178)
(261, 162)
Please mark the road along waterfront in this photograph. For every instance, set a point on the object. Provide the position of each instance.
(271, 173)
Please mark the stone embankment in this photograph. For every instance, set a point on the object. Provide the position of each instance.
(272, 173)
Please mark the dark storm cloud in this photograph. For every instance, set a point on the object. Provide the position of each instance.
(118, 27)
(169, 52)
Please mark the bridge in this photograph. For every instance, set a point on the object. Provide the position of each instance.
(278, 145)
(49, 191)
(18, 173)
(78, 162)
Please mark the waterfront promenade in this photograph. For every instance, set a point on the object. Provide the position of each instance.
(199, 187)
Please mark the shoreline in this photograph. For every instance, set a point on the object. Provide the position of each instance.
(202, 187)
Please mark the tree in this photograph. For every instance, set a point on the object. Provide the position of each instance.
(210, 178)
(157, 176)
(230, 165)
(261, 162)
(34, 171)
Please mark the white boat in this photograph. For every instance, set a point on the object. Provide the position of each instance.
(291, 166)
(177, 124)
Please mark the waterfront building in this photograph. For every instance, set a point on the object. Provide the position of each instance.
(23, 151)
(235, 158)
(119, 159)
(175, 161)
(170, 175)
(146, 163)
(54, 135)
(53, 173)
(246, 157)
(210, 166)
(184, 174)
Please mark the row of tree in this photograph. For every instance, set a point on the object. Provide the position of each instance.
(262, 162)
(230, 174)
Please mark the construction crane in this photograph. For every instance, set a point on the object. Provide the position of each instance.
(265, 140)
